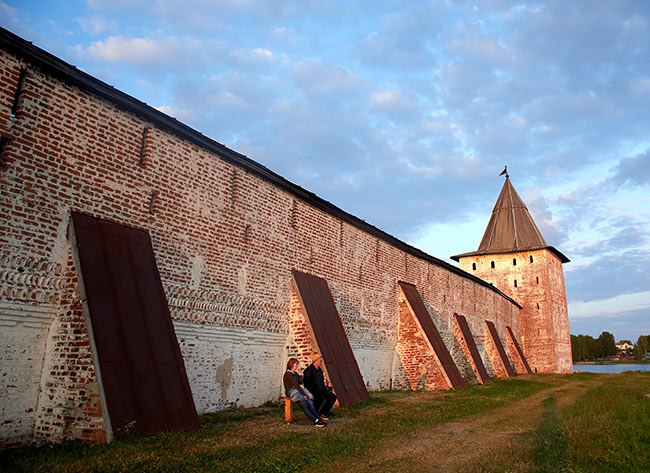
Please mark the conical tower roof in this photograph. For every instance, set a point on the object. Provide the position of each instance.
(511, 229)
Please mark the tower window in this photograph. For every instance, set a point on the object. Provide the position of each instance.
(515, 283)
(514, 261)
(492, 264)
(537, 279)
(531, 258)
(474, 266)
(538, 306)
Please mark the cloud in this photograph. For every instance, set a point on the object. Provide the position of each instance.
(114, 3)
(640, 86)
(470, 41)
(285, 34)
(398, 105)
(8, 14)
(626, 325)
(223, 105)
(94, 25)
(634, 171)
(183, 115)
(253, 57)
(611, 307)
(575, 108)
(318, 77)
(553, 230)
(402, 40)
(627, 233)
(143, 51)
(624, 272)
(173, 52)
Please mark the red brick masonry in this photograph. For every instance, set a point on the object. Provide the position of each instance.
(226, 237)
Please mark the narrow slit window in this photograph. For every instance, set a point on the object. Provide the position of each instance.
(537, 279)
(18, 93)
(531, 258)
(474, 266)
(233, 188)
(538, 306)
(515, 283)
(144, 146)
(492, 264)
(514, 261)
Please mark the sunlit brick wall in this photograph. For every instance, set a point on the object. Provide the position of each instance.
(225, 242)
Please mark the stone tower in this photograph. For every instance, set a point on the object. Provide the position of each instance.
(514, 257)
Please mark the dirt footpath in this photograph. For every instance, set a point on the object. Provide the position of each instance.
(500, 436)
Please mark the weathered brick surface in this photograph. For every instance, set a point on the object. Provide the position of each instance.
(513, 353)
(460, 338)
(225, 242)
(498, 364)
(421, 365)
(540, 290)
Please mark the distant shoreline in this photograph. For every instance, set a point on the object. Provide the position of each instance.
(608, 362)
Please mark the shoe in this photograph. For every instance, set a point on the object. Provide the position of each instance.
(322, 417)
(319, 423)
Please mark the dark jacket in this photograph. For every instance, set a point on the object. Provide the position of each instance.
(314, 380)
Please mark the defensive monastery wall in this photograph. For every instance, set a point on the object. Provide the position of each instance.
(226, 234)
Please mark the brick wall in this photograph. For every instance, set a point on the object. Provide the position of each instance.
(225, 241)
(492, 350)
(422, 368)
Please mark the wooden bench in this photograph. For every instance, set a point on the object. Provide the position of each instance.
(288, 410)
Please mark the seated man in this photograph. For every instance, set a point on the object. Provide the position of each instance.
(314, 381)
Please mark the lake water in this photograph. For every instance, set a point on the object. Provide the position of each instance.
(610, 368)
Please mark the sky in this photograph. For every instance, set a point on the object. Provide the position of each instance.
(404, 113)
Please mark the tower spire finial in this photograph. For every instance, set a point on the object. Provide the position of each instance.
(505, 171)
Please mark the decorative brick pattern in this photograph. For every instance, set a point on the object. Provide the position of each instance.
(30, 280)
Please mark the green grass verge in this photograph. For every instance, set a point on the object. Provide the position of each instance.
(608, 429)
(220, 444)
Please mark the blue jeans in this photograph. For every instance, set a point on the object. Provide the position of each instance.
(305, 404)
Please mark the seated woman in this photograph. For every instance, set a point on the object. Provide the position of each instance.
(292, 388)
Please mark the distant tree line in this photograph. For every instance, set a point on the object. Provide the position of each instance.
(585, 347)
(642, 347)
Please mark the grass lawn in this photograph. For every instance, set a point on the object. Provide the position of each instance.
(540, 423)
